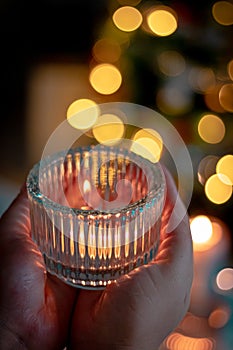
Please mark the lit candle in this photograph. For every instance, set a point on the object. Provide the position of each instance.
(211, 241)
(95, 213)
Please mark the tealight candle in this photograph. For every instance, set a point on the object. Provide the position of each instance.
(95, 213)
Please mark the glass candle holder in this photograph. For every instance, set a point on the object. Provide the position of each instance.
(95, 213)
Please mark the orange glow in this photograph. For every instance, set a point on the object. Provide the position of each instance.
(219, 317)
(223, 12)
(82, 114)
(201, 229)
(226, 97)
(127, 18)
(106, 50)
(218, 189)
(105, 78)
(81, 240)
(230, 69)
(204, 236)
(211, 128)
(224, 279)
(225, 166)
(162, 20)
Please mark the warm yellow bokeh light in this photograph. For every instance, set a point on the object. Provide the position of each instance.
(225, 166)
(82, 114)
(147, 148)
(211, 128)
(105, 78)
(230, 69)
(201, 229)
(109, 129)
(162, 21)
(219, 317)
(224, 279)
(217, 189)
(152, 134)
(223, 12)
(106, 50)
(226, 97)
(127, 18)
(171, 63)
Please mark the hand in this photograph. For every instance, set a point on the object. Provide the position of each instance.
(139, 310)
(35, 307)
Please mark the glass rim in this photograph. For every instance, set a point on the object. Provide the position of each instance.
(33, 189)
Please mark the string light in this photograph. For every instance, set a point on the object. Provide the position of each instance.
(218, 189)
(223, 12)
(226, 97)
(211, 128)
(105, 78)
(127, 18)
(162, 20)
(151, 134)
(82, 114)
(109, 129)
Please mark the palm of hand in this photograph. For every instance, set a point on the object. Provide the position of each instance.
(137, 311)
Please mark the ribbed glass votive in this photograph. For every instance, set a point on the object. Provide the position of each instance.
(95, 213)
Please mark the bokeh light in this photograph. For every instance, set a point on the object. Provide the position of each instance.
(173, 101)
(206, 168)
(106, 50)
(82, 114)
(219, 317)
(224, 279)
(211, 128)
(151, 134)
(202, 79)
(211, 98)
(127, 18)
(109, 129)
(230, 69)
(226, 97)
(223, 12)
(162, 20)
(225, 166)
(201, 229)
(105, 78)
(218, 189)
(147, 148)
(171, 63)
